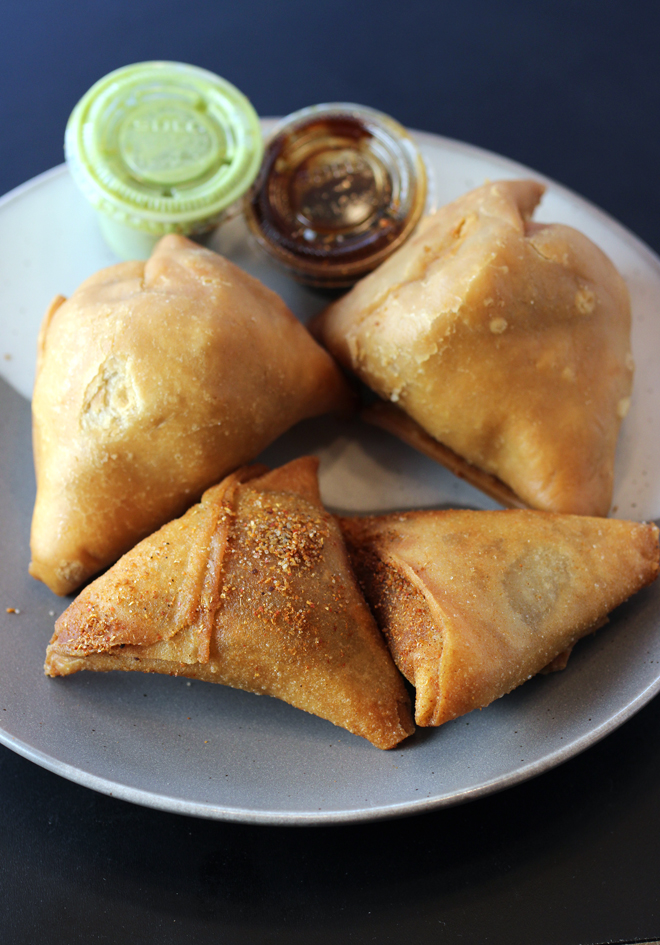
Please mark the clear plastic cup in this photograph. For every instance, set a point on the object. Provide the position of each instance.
(340, 188)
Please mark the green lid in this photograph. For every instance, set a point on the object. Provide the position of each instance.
(163, 147)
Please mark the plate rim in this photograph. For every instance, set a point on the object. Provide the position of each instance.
(208, 811)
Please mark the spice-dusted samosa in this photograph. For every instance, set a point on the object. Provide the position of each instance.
(501, 348)
(252, 588)
(154, 381)
(474, 603)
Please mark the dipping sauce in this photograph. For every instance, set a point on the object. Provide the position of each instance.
(341, 186)
(161, 147)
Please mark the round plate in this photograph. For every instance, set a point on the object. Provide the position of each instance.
(210, 751)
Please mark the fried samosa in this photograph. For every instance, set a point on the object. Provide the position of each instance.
(473, 603)
(252, 588)
(502, 349)
(154, 380)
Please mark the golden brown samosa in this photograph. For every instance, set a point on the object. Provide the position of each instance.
(502, 348)
(252, 588)
(155, 380)
(474, 603)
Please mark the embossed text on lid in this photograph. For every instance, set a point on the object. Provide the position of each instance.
(163, 146)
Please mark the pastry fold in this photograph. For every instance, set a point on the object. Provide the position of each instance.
(251, 588)
(472, 604)
(154, 380)
(507, 342)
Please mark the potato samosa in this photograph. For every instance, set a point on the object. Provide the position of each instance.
(154, 380)
(252, 588)
(474, 603)
(502, 348)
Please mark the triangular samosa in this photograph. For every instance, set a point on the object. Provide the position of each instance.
(155, 380)
(252, 588)
(474, 603)
(504, 342)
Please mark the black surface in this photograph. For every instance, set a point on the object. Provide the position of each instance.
(569, 88)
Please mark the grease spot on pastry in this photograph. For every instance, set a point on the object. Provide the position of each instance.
(534, 582)
(498, 325)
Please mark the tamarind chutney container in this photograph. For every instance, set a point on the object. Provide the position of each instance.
(341, 187)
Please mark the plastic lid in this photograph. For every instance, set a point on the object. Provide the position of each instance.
(163, 146)
(340, 188)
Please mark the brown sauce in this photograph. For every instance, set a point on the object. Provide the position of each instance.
(333, 197)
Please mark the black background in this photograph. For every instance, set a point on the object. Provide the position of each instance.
(571, 89)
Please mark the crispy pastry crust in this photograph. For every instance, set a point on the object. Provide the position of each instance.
(472, 604)
(506, 341)
(252, 588)
(155, 380)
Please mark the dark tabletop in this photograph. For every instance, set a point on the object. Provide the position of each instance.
(571, 89)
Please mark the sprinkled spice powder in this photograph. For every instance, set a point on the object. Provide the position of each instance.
(394, 600)
(293, 538)
(280, 544)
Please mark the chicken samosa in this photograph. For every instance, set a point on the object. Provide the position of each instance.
(252, 588)
(473, 603)
(500, 346)
(154, 380)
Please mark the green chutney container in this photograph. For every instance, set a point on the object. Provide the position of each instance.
(161, 147)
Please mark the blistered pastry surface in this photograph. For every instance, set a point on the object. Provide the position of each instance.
(507, 341)
(251, 588)
(498, 595)
(154, 381)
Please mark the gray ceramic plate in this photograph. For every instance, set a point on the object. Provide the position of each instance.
(214, 752)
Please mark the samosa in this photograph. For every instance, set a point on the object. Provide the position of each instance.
(500, 346)
(473, 603)
(252, 588)
(154, 380)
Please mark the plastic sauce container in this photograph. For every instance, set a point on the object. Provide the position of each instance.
(161, 147)
(340, 188)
